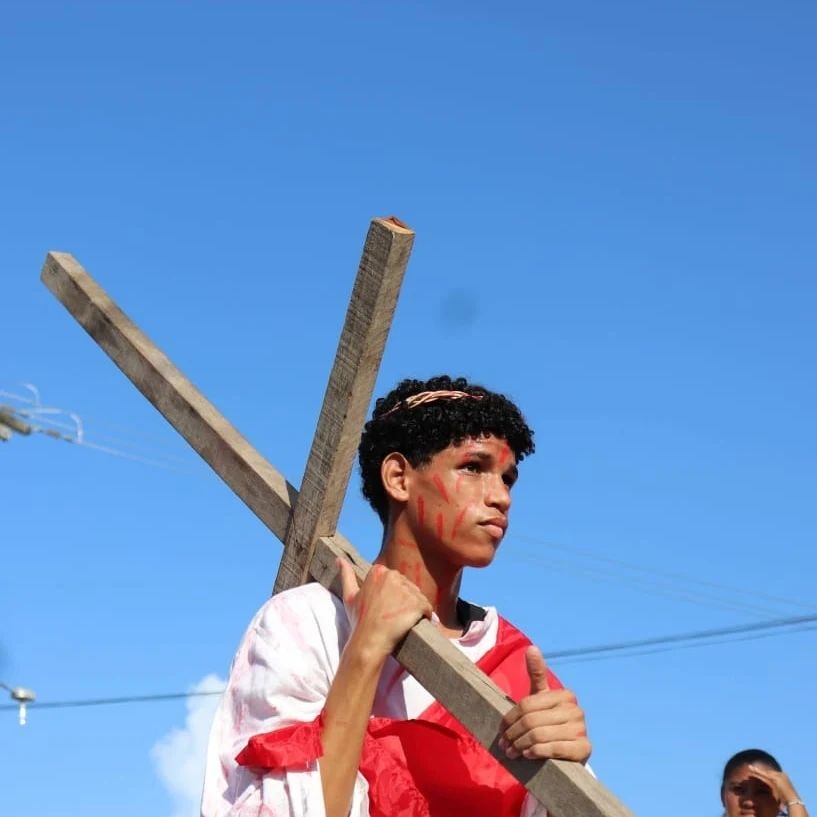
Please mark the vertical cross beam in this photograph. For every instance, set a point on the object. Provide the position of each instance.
(348, 394)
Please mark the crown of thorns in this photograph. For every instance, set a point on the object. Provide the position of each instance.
(423, 397)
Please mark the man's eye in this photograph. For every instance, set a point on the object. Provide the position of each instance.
(474, 467)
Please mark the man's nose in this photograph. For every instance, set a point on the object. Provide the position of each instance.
(499, 495)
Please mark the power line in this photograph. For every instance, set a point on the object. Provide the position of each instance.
(643, 584)
(47, 421)
(671, 647)
(669, 576)
(35, 422)
(697, 635)
(645, 646)
(128, 699)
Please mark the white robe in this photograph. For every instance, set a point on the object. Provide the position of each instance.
(280, 676)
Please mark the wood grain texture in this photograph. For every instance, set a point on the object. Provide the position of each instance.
(348, 394)
(267, 494)
(566, 789)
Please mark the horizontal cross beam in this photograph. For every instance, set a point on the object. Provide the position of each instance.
(566, 789)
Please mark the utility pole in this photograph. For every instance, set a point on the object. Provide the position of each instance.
(23, 697)
(9, 423)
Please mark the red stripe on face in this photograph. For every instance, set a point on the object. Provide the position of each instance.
(421, 510)
(439, 526)
(457, 522)
(438, 484)
(457, 484)
(504, 453)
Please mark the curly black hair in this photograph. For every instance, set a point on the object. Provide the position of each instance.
(420, 432)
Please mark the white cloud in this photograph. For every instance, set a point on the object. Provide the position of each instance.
(179, 756)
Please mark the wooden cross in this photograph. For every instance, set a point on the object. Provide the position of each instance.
(306, 521)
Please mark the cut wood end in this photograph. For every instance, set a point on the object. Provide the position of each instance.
(59, 257)
(394, 223)
(56, 256)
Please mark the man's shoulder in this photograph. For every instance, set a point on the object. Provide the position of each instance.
(510, 630)
(306, 603)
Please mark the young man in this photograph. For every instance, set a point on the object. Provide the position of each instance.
(318, 718)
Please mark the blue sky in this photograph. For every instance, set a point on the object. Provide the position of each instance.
(615, 209)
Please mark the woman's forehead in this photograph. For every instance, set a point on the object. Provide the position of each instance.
(745, 772)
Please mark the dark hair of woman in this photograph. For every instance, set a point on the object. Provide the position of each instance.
(746, 758)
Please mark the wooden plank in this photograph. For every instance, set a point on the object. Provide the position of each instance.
(348, 394)
(268, 495)
(457, 683)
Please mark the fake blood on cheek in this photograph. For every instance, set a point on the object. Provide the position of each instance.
(438, 484)
(458, 522)
(439, 526)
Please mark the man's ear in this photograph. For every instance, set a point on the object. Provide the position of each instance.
(395, 471)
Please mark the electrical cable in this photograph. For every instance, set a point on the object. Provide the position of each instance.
(697, 635)
(45, 421)
(671, 647)
(643, 584)
(755, 630)
(754, 593)
(127, 699)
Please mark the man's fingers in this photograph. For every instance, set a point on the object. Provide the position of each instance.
(348, 582)
(576, 750)
(537, 670)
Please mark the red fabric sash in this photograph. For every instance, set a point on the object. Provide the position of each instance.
(426, 767)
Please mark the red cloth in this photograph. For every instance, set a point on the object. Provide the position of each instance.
(291, 747)
(426, 767)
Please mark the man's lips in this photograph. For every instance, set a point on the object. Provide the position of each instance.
(496, 525)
